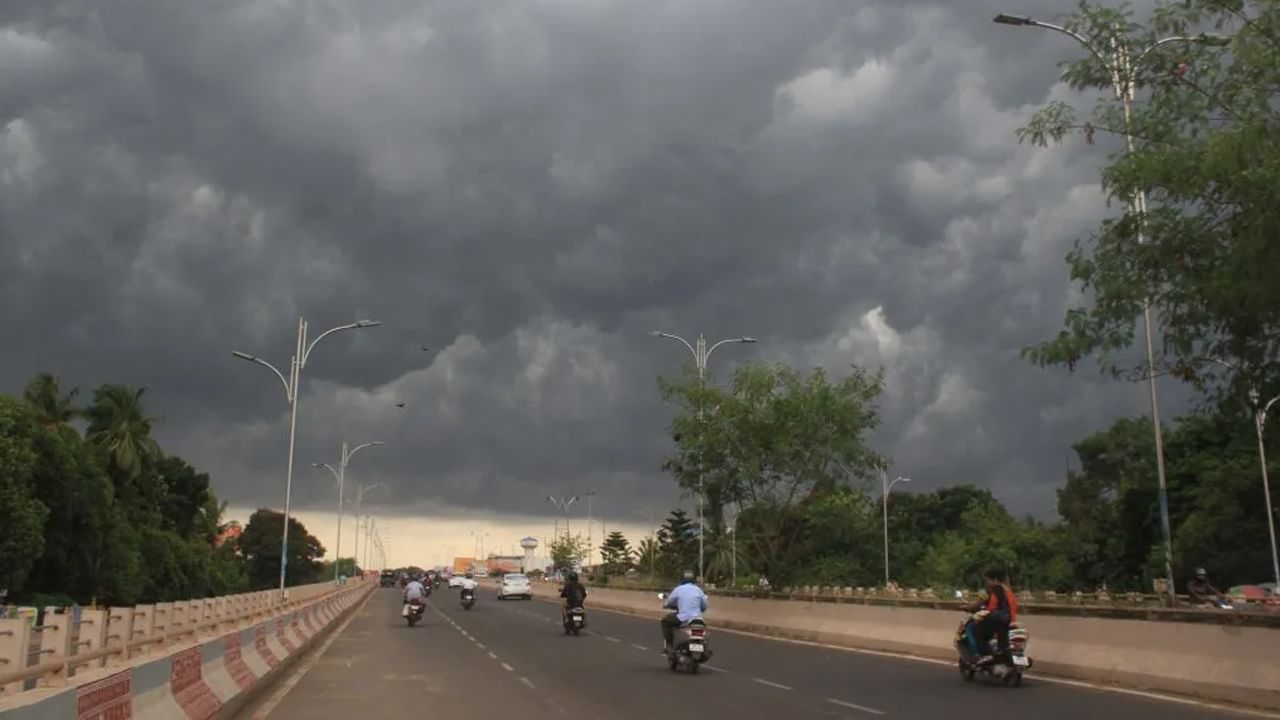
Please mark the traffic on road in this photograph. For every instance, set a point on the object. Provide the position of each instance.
(516, 658)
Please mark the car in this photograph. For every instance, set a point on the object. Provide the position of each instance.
(515, 585)
(455, 581)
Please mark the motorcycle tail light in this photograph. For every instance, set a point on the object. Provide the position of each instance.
(698, 632)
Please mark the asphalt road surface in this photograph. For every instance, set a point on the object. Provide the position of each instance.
(511, 659)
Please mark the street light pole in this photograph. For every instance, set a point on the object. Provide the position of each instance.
(340, 474)
(886, 486)
(1120, 66)
(701, 355)
(302, 351)
(1260, 410)
(360, 492)
(590, 548)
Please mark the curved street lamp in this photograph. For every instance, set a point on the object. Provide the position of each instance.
(1119, 61)
(339, 474)
(701, 355)
(301, 353)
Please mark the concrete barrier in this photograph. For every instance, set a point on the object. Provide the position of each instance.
(1223, 663)
(213, 678)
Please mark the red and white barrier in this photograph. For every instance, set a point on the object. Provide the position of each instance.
(200, 681)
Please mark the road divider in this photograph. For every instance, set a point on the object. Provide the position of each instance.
(1214, 662)
(200, 679)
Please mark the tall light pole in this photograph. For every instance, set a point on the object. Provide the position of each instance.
(590, 547)
(340, 474)
(1260, 410)
(701, 354)
(563, 505)
(302, 351)
(360, 493)
(1120, 62)
(885, 487)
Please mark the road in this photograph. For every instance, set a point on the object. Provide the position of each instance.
(511, 659)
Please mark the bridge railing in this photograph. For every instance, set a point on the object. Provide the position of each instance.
(44, 649)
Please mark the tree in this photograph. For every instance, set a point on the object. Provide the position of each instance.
(647, 556)
(678, 544)
(616, 554)
(566, 550)
(22, 515)
(773, 441)
(259, 544)
(118, 425)
(1207, 153)
(53, 408)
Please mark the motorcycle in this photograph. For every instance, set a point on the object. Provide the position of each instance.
(689, 649)
(1007, 669)
(468, 598)
(412, 611)
(574, 620)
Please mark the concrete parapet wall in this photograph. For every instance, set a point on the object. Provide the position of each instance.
(200, 680)
(1219, 662)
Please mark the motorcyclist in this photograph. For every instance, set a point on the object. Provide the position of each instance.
(1202, 591)
(414, 591)
(689, 603)
(468, 583)
(994, 612)
(574, 594)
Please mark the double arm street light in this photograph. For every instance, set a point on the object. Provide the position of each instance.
(563, 504)
(339, 474)
(301, 353)
(360, 492)
(701, 354)
(885, 487)
(1120, 62)
(1260, 410)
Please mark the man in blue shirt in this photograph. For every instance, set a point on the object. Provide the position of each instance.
(689, 603)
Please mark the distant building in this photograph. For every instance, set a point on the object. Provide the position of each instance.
(230, 532)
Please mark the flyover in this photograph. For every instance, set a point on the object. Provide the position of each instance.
(511, 660)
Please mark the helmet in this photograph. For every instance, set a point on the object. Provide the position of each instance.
(688, 577)
(1201, 573)
(573, 576)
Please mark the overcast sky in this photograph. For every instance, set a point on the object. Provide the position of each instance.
(526, 187)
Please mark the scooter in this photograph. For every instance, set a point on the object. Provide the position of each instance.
(689, 649)
(412, 611)
(1007, 669)
(468, 598)
(574, 620)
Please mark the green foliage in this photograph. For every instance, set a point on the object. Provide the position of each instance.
(568, 549)
(774, 441)
(109, 519)
(677, 545)
(22, 515)
(616, 554)
(1207, 153)
(259, 545)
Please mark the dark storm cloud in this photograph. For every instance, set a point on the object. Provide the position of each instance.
(526, 187)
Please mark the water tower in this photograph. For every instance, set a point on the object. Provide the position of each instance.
(529, 544)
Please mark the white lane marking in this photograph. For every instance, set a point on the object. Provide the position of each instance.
(528, 682)
(508, 668)
(481, 646)
(852, 706)
(492, 656)
(639, 647)
(611, 639)
(770, 684)
(951, 664)
(713, 668)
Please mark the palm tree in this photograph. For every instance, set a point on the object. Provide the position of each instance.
(53, 408)
(118, 426)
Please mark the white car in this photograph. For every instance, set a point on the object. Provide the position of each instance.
(515, 585)
(455, 581)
